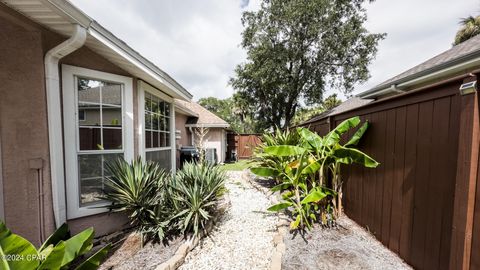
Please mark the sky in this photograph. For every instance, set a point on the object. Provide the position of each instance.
(198, 42)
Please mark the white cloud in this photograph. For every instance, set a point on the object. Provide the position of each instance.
(197, 42)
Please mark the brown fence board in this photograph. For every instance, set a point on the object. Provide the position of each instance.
(407, 201)
(399, 163)
(247, 144)
(388, 180)
(408, 185)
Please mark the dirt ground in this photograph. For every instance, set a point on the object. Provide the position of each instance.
(348, 246)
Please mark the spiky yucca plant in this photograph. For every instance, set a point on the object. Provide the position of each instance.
(137, 188)
(195, 191)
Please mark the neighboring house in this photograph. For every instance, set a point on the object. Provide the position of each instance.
(423, 200)
(72, 97)
(195, 117)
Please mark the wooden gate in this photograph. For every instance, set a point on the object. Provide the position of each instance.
(246, 145)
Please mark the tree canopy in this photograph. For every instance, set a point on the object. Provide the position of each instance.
(296, 49)
(470, 27)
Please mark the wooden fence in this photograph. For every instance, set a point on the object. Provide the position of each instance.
(246, 143)
(420, 202)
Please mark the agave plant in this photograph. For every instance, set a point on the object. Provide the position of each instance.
(138, 189)
(195, 192)
(59, 251)
(312, 174)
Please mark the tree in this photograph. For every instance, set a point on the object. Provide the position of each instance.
(304, 114)
(234, 110)
(296, 49)
(470, 27)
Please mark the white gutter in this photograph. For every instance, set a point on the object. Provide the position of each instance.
(448, 71)
(52, 87)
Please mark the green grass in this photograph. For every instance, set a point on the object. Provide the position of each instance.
(237, 166)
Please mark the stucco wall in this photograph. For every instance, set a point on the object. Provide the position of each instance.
(185, 137)
(24, 130)
(23, 127)
(215, 139)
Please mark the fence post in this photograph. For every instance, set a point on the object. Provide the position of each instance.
(465, 182)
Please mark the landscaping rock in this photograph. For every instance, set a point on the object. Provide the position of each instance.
(243, 238)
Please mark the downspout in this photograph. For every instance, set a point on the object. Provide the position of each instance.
(54, 115)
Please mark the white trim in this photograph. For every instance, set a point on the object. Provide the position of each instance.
(71, 135)
(54, 113)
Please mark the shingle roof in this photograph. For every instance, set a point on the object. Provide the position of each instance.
(347, 105)
(457, 54)
(205, 117)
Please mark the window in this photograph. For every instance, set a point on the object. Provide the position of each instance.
(106, 135)
(157, 115)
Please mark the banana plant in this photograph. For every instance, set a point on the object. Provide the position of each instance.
(331, 154)
(57, 252)
(311, 171)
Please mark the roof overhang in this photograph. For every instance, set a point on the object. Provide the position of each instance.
(60, 17)
(208, 125)
(183, 110)
(464, 65)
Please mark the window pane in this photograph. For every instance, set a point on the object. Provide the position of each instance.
(162, 139)
(155, 120)
(167, 109)
(162, 123)
(154, 104)
(161, 106)
(92, 173)
(148, 120)
(163, 158)
(112, 138)
(167, 124)
(155, 140)
(112, 94)
(111, 116)
(167, 139)
(148, 139)
(90, 138)
(148, 102)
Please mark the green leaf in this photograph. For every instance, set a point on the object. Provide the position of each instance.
(53, 256)
(78, 245)
(280, 187)
(94, 261)
(312, 138)
(14, 251)
(350, 155)
(264, 171)
(311, 168)
(284, 150)
(333, 137)
(294, 224)
(314, 196)
(358, 135)
(62, 233)
(280, 206)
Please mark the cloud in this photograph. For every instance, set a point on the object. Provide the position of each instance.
(197, 42)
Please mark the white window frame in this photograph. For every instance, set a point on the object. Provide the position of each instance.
(143, 87)
(70, 123)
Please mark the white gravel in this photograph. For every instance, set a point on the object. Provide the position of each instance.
(243, 239)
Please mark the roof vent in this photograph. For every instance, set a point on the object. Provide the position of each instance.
(468, 88)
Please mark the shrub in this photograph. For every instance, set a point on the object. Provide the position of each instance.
(195, 192)
(139, 190)
(59, 251)
(309, 172)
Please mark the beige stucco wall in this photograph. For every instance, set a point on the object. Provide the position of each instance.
(185, 137)
(24, 130)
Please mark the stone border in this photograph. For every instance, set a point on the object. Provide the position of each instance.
(179, 257)
(282, 226)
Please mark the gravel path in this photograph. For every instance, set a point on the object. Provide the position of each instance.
(243, 238)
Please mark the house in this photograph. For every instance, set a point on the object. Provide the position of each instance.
(72, 97)
(423, 200)
(195, 116)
